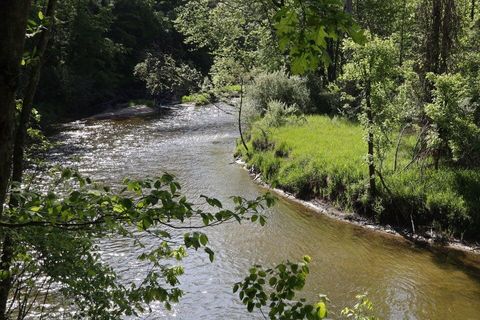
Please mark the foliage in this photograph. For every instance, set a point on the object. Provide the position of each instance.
(237, 33)
(453, 113)
(96, 46)
(38, 143)
(278, 86)
(304, 29)
(361, 310)
(279, 114)
(276, 288)
(199, 99)
(371, 65)
(55, 228)
(83, 59)
(163, 75)
(372, 69)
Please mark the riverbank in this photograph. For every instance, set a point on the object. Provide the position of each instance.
(467, 253)
(322, 161)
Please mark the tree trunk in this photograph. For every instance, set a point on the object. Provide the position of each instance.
(402, 33)
(13, 23)
(332, 68)
(34, 78)
(450, 28)
(433, 42)
(371, 162)
(12, 39)
(472, 11)
(240, 117)
(349, 6)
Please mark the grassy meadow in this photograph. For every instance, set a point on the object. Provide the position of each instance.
(325, 157)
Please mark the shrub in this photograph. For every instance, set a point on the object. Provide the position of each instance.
(453, 114)
(199, 99)
(278, 86)
(279, 114)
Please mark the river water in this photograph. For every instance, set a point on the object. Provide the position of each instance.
(196, 144)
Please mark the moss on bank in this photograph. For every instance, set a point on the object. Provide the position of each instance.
(325, 158)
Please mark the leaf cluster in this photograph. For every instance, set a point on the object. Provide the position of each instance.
(56, 228)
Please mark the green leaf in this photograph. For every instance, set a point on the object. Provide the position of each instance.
(211, 254)
(262, 221)
(35, 209)
(203, 239)
(40, 15)
(272, 281)
(320, 37)
(321, 310)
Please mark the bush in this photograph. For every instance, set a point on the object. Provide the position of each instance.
(453, 112)
(279, 114)
(199, 99)
(278, 86)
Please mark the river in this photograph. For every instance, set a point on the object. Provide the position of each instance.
(196, 144)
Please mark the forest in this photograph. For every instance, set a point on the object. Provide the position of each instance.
(366, 111)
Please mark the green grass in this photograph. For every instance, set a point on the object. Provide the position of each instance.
(325, 157)
(236, 88)
(199, 99)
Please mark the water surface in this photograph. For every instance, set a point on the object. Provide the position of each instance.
(196, 144)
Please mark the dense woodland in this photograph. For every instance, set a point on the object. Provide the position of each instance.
(394, 84)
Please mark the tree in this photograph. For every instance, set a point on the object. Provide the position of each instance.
(304, 28)
(50, 234)
(472, 10)
(372, 69)
(455, 133)
(36, 64)
(441, 24)
(238, 34)
(165, 76)
(12, 28)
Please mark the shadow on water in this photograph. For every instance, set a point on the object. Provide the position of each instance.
(447, 259)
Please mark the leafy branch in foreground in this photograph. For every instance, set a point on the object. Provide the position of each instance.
(56, 232)
(276, 288)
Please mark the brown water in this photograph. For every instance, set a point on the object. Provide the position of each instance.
(196, 144)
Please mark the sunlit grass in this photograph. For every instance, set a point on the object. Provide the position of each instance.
(326, 157)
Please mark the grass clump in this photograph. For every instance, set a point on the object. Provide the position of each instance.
(199, 99)
(233, 89)
(325, 158)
